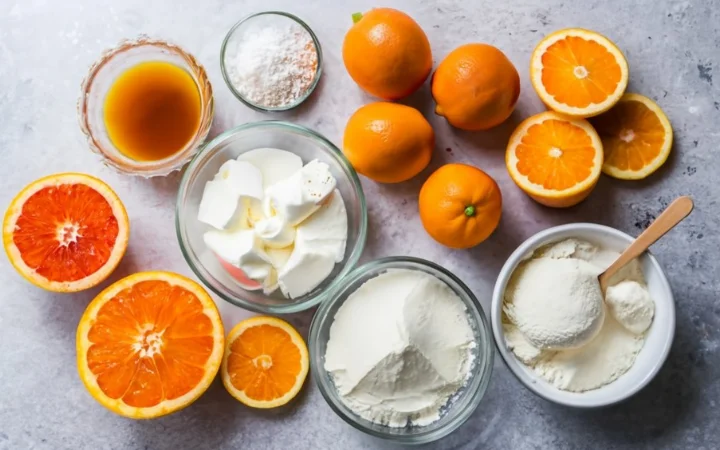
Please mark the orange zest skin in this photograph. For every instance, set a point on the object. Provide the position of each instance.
(475, 87)
(460, 205)
(387, 53)
(66, 232)
(150, 344)
(636, 135)
(388, 142)
(266, 362)
(556, 160)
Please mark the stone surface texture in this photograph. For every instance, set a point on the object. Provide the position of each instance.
(673, 48)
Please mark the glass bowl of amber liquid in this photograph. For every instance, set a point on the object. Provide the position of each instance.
(146, 107)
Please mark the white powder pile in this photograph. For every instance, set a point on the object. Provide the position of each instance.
(630, 304)
(602, 361)
(564, 309)
(556, 303)
(400, 348)
(271, 63)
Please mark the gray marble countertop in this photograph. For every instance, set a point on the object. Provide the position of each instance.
(673, 48)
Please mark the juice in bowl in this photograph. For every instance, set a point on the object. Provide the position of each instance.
(152, 111)
(146, 107)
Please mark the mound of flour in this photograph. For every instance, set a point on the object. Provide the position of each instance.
(399, 348)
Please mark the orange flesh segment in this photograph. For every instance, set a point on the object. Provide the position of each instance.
(543, 140)
(264, 363)
(150, 343)
(560, 61)
(61, 208)
(632, 135)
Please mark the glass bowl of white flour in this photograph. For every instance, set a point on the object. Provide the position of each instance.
(271, 61)
(402, 350)
(620, 355)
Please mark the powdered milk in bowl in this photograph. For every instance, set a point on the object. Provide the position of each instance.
(402, 350)
(271, 61)
(578, 349)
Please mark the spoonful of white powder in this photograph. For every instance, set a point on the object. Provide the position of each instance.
(556, 303)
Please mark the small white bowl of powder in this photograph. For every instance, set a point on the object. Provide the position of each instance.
(613, 361)
(271, 61)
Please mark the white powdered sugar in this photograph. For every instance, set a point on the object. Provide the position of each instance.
(400, 348)
(271, 63)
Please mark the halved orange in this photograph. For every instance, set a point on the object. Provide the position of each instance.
(66, 232)
(555, 159)
(578, 72)
(636, 136)
(150, 344)
(266, 362)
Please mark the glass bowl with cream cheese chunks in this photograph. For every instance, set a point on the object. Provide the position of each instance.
(402, 350)
(271, 217)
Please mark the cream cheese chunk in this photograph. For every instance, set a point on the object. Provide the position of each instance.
(304, 271)
(242, 249)
(235, 188)
(297, 197)
(327, 228)
(275, 165)
(275, 232)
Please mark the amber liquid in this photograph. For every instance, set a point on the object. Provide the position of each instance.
(152, 111)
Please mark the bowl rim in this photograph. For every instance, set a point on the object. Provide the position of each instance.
(478, 384)
(247, 102)
(347, 266)
(531, 244)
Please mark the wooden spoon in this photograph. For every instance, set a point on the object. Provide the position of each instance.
(673, 215)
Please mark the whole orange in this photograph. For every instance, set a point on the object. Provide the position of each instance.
(460, 205)
(388, 142)
(475, 87)
(387, 53)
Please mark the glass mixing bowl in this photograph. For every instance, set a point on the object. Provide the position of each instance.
(101, 77)
(459, 408)
(308, 145)
(233, 39)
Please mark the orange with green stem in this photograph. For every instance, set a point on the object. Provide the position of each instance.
(460, 205)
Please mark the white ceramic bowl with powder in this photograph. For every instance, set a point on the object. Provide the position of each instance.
(657, 341)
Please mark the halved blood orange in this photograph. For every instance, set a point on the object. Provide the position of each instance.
(636, 135)
(150, 344)
(556, 160)
(578, 72)
(66, 232)
(266, 362)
